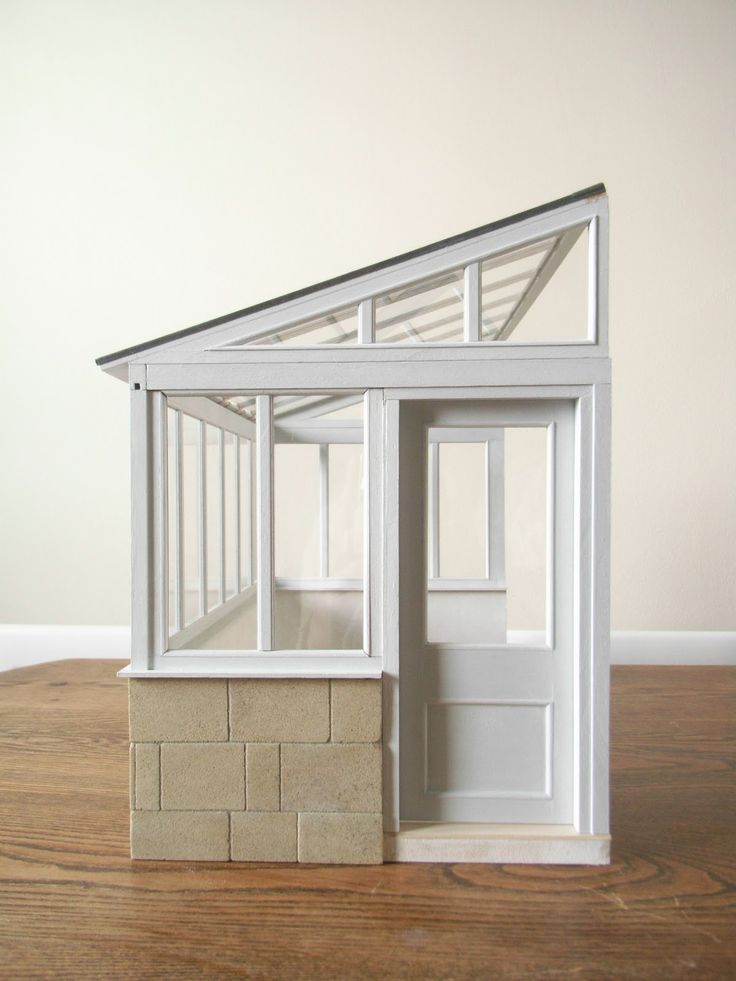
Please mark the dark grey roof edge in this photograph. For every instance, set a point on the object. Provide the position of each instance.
(594, 191)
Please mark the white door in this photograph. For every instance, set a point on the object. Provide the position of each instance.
(486, 611)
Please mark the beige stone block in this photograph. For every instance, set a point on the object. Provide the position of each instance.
(131, 775)
(276, 710)
(356, 710)
(147, 777)
(262, 777)
(202, 776)
(343, 839)
(189, 836)
(266, 837)
(177, 709)
(333, 777)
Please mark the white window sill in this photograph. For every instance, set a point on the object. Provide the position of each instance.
(263, 666)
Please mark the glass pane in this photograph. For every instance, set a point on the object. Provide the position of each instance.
(430, 311)
(462, 510)
(233, 627)
(510, 309)
(296, 510)
(213, 512)
(346, 510)
(247, 495)
(231, 528)
(318, 519)
(492, 587)
(340, 327)
(190, 516)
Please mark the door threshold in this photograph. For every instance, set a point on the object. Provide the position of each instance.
(536, 844)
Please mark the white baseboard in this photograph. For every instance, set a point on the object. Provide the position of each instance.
(24, 644)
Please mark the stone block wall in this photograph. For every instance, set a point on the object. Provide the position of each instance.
(256, 770)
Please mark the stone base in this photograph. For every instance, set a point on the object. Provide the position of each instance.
(256, 770)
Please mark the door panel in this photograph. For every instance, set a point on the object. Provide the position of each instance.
(486, 727)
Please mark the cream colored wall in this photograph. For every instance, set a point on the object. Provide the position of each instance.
(165, 163)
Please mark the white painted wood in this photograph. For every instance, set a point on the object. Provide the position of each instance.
(411, 373)
(237, 491)
(221, 523)
(212, 412)
(600, 607)
(178, 537)
(329, 431)
(390, 616)
(159, 492)
(495, 509)
(433, 508)
(526, 700)
(472, 300)
(373, 524)
(496, 843)
(285, 664)
(598, 277)
(324, 510)
(142, 599)
(384, 353)
(330, 584)
(366, 322)
(264, 495)
(202, 518)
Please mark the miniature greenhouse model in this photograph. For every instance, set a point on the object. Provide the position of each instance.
(370, 561)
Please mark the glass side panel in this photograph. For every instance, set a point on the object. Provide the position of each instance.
(213, 513)
(230, 498)
(538, 292)
(190, 517)
(318, 523)
(296, 510)
(345, 496)
(429, 311)
(215, 459)
(247, 497)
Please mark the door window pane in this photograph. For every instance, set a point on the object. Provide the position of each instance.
(491, 524)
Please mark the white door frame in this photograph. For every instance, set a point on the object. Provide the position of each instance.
(590, 588)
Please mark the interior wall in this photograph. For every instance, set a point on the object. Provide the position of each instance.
(167, 163)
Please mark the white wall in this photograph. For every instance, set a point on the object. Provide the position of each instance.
(167, 162)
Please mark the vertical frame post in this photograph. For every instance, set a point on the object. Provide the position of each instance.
(433, 510)
(177, 543)
(495, 509)
(366, 322)
(221, 495)
(472, 303)
(142, 569)
(372, 521)
(324, 510)
(264, 483)
(159, 481)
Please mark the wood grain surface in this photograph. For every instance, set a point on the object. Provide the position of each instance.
(73, 905)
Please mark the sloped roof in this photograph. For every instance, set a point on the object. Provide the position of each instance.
(130, 352)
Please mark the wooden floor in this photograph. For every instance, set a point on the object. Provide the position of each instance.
(72, 905)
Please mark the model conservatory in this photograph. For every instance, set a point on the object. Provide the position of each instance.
(370, 561)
